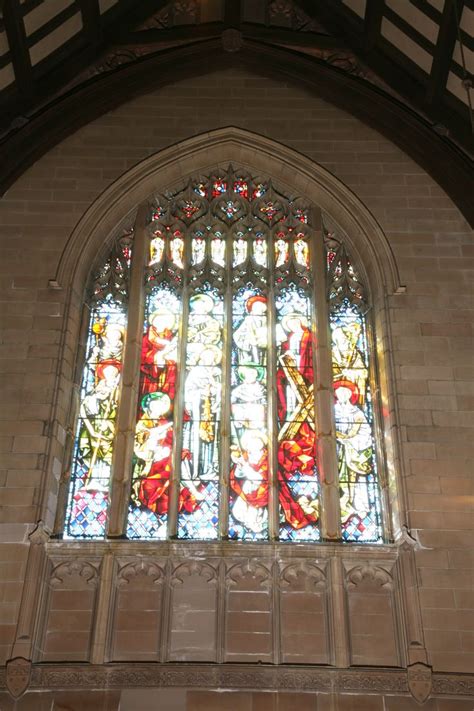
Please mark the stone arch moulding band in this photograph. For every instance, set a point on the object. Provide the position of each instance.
(446, 163)
(254, 152)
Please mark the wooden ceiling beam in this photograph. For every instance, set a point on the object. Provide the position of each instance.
(279, 35)
(185, 33)
(440, 157)
(443, 54)
(232, 13)
(396, 74)
(69, 61)
(91, 20)
(131, 13)
(390, 64)
(410, 31)
(15, 31)
(428, 10)
(372, 22)
(192, 33)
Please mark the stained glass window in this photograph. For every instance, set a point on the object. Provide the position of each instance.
(354, 417)
(91, 469)
(224, 442)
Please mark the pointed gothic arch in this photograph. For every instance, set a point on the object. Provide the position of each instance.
(241, 147)
(342, 211)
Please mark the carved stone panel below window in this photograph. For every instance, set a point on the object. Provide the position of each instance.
(136, 620)
(371, 607)
(142, 602)
(193, 613)
(303, 615)
(70, 605)
(249, 606)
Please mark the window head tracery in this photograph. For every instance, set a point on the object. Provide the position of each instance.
(225, 437)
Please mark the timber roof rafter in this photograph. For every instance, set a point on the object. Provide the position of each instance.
(415, 52)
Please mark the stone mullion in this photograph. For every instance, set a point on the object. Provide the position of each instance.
(388, 435)
(126, 417)
(377, 427)
(221, 611)
(276, 612)
(178, 405)
(165, 626)
(103, 606)
(272, 417)
(324, 397)
(226, 387)
(339, 623)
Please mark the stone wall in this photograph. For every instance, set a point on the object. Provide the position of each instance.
(431, 324)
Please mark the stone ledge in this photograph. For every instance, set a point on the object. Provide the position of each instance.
(237, 677)
(267, 550)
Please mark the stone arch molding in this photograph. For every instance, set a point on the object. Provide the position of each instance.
(363, 234)
(296, 175)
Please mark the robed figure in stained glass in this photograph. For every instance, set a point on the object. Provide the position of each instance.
(355, 449)
(154, 435)
(348, 356)
(96, 436)
(202, 403)
(201, 441)
(353, 431)
(360, 507)
(251, 336)
(159, 354)
(248, 505)
(98, 408)
(153, 446)
(91, 470)
(204, 329)
(298, 486)
(249, 397)
(295, 371)
(202, 388)
(249, 481)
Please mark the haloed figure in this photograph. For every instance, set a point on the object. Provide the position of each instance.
(108, 341)
(295, 372)
(251, 337)
(249, 481)
(203, 328)
(96, 437)
(249, 397)
(153, 446)
(159, 353)
(348, 358)
(354, 437)
(202, 397)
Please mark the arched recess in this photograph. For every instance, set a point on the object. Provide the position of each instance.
(298, 176)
